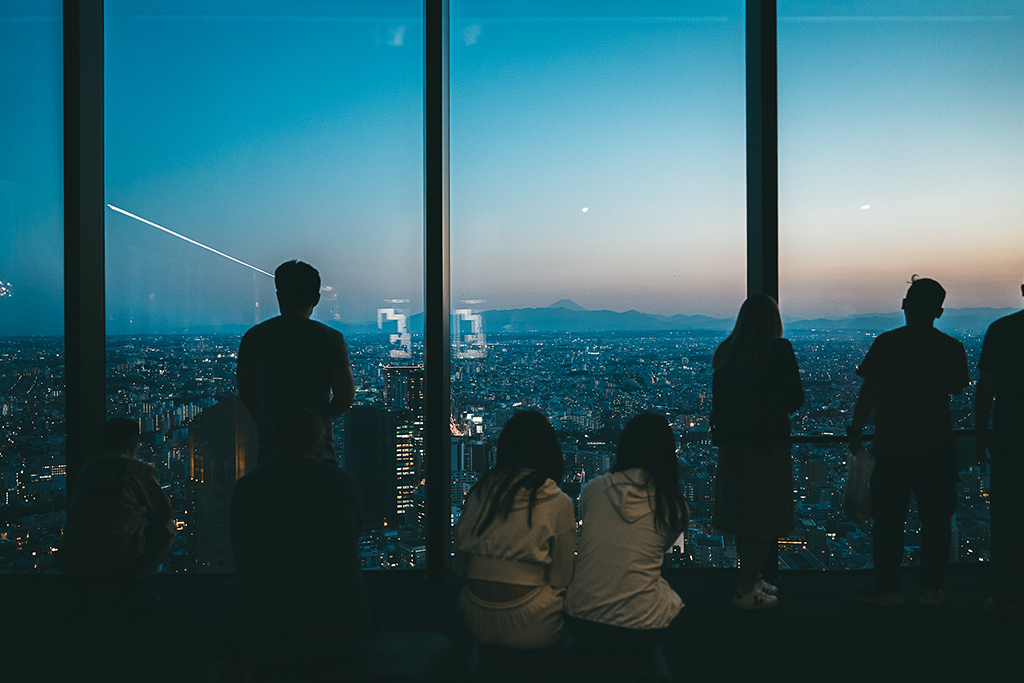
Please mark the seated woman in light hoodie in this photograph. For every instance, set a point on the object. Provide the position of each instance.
(618, 599)
(515, 539)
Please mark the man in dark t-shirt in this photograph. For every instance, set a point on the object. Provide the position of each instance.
(292, 360)
(295, 527)
(1001, 378)
(909, 374)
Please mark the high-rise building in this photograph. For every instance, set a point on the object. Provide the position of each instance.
(405, 459)
(403, 391)
(403, 387)
(371, 455)
(221, 449)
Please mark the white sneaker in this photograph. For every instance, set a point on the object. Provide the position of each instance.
(753, 600)
(766, 588)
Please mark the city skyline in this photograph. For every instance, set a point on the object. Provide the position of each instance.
(181, 390)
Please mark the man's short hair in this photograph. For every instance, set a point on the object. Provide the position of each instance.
(298, 284)
(924, 297)
(298, 433)
(120, 434)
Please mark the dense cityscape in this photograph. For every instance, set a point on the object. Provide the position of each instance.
(199, 439)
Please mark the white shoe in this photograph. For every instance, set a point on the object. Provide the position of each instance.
(765, 587)
(754, 600)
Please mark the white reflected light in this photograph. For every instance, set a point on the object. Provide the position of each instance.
(5, 288)
(586, 208)
(187, 239)
(866, 206)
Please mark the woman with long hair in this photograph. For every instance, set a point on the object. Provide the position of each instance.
(515, 539)
(756, 386)
(631, 516)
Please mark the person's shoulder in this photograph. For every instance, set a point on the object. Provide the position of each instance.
(593, 486)
(324, 472)
(139, 468)
(551, 491)
(320, 328)
(948, 340)
(781, 347)
(260, 329)
(1012, 324)
(892, 335)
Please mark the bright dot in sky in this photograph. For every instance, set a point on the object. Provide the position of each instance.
(585, 209)
(866, 206)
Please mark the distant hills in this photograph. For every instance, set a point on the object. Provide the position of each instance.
(567, 316)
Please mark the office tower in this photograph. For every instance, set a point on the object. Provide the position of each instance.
(477, 458)
(403, 387)
(371, 455)
(405, 459)
(403, 390)
(221, 449)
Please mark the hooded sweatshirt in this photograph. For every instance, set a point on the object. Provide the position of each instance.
(509, 550)
(618, 580)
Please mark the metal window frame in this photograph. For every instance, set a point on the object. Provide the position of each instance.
(84, 303)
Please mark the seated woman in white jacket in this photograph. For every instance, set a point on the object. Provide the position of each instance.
(618, 599)
(515, 540)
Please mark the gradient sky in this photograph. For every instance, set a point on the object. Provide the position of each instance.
(279, 130)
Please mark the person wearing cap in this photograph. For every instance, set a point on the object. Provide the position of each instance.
(1001, 379)
(909, 375)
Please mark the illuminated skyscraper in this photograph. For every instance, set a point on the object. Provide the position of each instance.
(221, 449)
(403, 388)
(403, 393)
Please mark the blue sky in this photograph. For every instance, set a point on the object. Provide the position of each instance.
(279, 130)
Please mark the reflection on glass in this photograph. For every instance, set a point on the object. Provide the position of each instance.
(239, 137)
(32, 446)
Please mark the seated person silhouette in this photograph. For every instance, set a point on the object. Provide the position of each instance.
(618, 600)
(120, 524)
(295, 528)
(515, 540)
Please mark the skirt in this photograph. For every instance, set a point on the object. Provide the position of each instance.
(754, 493)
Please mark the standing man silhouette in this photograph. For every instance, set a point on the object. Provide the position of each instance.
(291, 360)
(1001, 378)
(909, 374)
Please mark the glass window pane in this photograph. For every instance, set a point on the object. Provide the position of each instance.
(598, 221)
(32, 432)
(900, 153)
(239, 137)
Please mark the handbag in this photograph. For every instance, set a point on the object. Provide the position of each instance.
(857, 492)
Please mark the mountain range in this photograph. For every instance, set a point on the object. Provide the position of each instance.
(568, 316)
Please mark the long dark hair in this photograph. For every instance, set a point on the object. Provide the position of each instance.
(647, 442)
(528, 441)
(758, 324)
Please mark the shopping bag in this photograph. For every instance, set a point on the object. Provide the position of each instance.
(856, 493)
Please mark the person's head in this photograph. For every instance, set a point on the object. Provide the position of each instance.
(298, 433)
(527, 442)
(298, 286)
(647, 443)
(121, 435)
(924, 298)
(758, 324)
